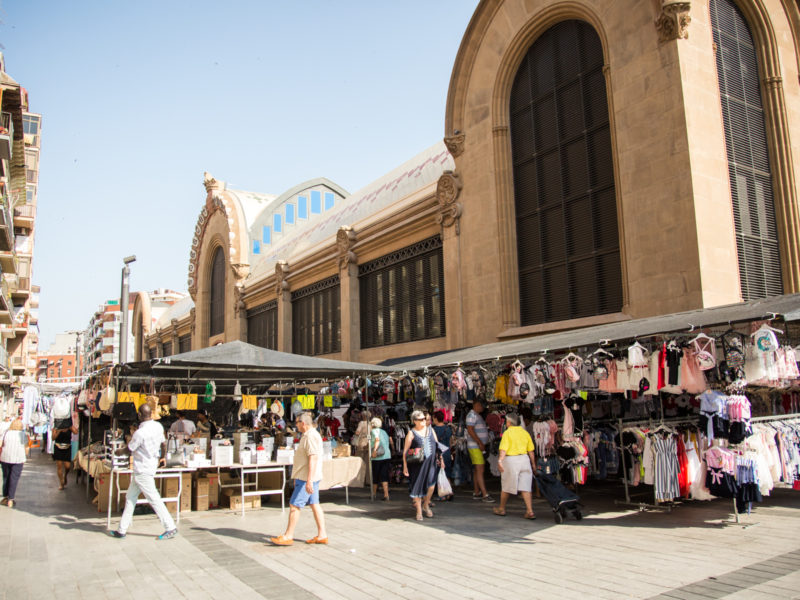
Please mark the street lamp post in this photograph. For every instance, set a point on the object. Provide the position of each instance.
(76, 370)
(123, 306)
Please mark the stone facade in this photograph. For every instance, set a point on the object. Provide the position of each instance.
(674, 212)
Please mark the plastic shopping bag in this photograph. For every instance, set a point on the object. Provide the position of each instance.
(443, 485)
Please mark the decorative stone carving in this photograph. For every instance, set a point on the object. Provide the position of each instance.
(447, 191)
(345, 238)
(238, 299)
(240, 271)
(281, 273)
(174, 323)
(192, 319)
(210, 183)
(455, 144)
(673, 22)
(774, 82)
(213, 205)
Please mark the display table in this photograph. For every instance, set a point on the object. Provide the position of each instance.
(165, 473)
(97, 466)
(342, 472)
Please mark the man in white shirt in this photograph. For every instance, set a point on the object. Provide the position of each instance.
(146, 445)
(307, 473)
(182, 428)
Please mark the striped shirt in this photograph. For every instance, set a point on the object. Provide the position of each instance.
(14, 442)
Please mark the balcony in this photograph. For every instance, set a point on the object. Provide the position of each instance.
(23, 244)
(22, 289)
(17, 365)
(6, 228)
(25, 215)
(5, 302)
(6, 136)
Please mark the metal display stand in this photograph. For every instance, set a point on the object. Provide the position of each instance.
(252, 486)
(160, 474)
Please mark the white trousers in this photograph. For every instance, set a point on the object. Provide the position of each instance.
(144, 484)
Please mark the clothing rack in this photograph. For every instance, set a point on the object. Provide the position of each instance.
(789, 417)
(642, 506)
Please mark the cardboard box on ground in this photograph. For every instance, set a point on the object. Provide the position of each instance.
(169, 489)
(101, 484)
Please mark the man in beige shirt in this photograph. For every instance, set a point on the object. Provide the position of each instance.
(307, 473)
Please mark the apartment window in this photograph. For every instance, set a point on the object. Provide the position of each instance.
(401, 295)
(565, 200)
(262, 325)
(316, 323)
(748, 157)
(217, 301)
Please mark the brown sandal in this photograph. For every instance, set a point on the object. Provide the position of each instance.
(500, 513)
(530, 516)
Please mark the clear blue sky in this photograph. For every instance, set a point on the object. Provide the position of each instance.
(139, 98)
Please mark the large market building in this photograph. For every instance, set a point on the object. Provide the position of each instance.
(601, 162)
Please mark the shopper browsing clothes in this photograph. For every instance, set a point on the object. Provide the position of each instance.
(307, 473)
(477, 438)
(145, 445)
(14, 442)
(381, 454)
(420, 466)
(516, 464)
(183, 428)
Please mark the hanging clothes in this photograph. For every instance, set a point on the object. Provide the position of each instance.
(667, 468)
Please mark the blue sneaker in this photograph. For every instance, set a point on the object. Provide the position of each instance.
(116, 534)
(168, 535)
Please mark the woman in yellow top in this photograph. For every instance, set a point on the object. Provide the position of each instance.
(516, 464)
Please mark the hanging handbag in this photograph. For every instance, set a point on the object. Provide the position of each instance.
(415, 456)
(378, 451)
(124, 411)
(174, 455)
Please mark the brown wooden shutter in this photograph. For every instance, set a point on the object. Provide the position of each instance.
(401, 295)
(185, 343)
(316, 321)
(262, 325)
(748, 155)
(567, 235)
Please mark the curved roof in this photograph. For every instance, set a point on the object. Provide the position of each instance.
(413, 175)
(251, 203)
(177, 311)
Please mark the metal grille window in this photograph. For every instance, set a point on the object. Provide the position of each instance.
(152, 352)
(166, 348)
(185, 343)
(316, 321)
(216, 308)
(402, 295)
(748, 156)
(262, 325)
(566, 210)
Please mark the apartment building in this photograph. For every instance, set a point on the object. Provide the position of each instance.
(62, 360)
(20, 145)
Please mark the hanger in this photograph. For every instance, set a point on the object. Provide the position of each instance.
(767, 327)
(636, 344)
(517, 365)
(701, 336)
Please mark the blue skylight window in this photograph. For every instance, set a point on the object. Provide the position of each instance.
(290, 214)
(266, 235)
(316, 202)
(277, 223)
(302, 207)
(256, 247)
(328, 201)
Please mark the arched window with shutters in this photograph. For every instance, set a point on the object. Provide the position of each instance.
(748, 155)
(216, 309)
(566, 212)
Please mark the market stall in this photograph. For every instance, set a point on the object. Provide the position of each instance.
(244, 399)
(665, 404)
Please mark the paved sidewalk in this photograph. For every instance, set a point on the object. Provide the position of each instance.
(54, 545)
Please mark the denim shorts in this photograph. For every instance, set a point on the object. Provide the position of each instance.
(300, 497)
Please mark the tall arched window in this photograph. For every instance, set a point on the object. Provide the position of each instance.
(748, 156)
(216, 308)
(566, 210)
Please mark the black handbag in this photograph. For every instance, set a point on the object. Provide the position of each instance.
(124, 411)
(415, 456)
